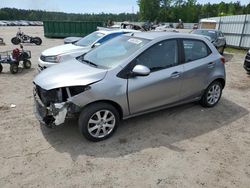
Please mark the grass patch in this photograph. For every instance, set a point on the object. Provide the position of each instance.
(235, 50)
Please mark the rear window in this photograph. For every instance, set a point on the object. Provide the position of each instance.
(210, 33)
(195, 49)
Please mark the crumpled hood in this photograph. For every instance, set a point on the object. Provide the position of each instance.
(69, 73)
(62, 49)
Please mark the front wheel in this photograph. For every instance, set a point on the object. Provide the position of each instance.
(212, 95)
(27, 64)
(98, 121)
(15, 41)
(14, 68)
(37, 41)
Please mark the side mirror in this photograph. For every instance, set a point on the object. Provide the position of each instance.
(96, 45)
(140, 70)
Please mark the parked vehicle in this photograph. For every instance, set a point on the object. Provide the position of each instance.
(247, 62)
(53, 56)
(215, 36)
(1, 41)
(207, 24)
(14, 57)
(2, 23)
(22, 38)
(71, 40)
(128, 76)
(195, 26)
(163, 27)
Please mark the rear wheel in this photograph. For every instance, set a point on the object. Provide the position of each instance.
(212, 94)
(14, 68)
(27, 64)
(98, 121)
(15, 41)
(1, 67)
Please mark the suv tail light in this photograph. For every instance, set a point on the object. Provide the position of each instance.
(223, 60)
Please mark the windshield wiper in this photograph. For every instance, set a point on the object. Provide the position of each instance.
(90, 63)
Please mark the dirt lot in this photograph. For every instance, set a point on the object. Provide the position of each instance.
(186, 146)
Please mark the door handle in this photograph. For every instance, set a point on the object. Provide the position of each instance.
(211, 65)
(175, 74)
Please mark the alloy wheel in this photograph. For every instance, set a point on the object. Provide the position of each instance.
(101, 123)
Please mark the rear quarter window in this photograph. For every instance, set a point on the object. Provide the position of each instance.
(195, 49)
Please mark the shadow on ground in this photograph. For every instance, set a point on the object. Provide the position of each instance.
(228, 57)
(162, 128)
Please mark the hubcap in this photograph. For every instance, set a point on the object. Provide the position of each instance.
(213, 94)
(101, 123)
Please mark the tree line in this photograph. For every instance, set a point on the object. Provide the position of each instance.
(187, 10)
(40, 15)
(149, 10)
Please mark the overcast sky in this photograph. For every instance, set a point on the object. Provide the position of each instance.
(85, 6)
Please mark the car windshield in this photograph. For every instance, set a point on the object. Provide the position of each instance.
(89, 39)
(210, 33)
(113, 52)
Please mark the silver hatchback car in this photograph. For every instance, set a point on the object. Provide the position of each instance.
(128, 76)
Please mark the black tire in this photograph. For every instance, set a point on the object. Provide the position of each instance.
(89, 112)
(205, 98)
(14, 68)
(27, 64)
(37, 40)
(15, 41)
(1, 67)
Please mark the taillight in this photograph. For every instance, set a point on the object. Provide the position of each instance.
(223, 60)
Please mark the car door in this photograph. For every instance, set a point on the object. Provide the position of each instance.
(162, 85)
(198, 65)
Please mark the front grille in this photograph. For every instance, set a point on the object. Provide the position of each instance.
(47, 97)
(42, 57)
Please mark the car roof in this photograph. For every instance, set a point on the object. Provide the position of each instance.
(152, 35)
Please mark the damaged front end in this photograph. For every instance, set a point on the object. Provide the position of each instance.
(52, 107)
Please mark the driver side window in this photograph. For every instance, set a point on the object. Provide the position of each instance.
(160, 56)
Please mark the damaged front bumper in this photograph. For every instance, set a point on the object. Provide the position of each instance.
(53, 115)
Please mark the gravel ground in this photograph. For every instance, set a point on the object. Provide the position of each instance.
(186, 146)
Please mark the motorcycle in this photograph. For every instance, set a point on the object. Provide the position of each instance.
(22, 38)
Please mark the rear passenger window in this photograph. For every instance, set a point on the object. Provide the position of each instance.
(195, 49)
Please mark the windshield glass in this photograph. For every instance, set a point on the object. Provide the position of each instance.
(89, 39)
(210, 33)
(113, 52)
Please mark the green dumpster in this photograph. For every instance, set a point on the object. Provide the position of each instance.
(61, 29)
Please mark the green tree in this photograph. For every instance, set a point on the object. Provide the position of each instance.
(149, 9)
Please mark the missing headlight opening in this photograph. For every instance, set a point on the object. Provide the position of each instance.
(54, 104)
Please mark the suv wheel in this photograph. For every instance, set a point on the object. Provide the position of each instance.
(98, 121)
(212, 94)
